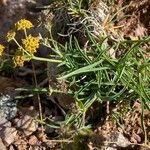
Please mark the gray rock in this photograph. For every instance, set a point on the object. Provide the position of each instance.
(115, 140)
(8, 107)
(119, 139)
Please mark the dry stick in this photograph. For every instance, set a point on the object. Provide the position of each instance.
(38, 97)
(142, 145)
(60, 141)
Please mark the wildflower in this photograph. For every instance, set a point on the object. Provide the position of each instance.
(18, 59)
(10, 35)
(31, 44)
(23, 24)
(1, 49)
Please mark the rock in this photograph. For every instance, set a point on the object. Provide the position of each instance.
(4, 122)
(33, 140)
(11, 147)
(8, 135)
(26, 124)
(111, 148)
(2, 146)
(21, 144)
(41, 135)
(116, 140)
(121, 140)
(8, 107)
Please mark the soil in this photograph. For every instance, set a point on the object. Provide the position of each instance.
(136, 21)
(23, 132)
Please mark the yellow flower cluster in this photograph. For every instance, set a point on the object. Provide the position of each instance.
(10, 35)
(1, 49)
(18, 59)
(31, 44)
(23, 24)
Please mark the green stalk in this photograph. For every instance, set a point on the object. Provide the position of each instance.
(21, 46)
(46, 59)
(25, 32)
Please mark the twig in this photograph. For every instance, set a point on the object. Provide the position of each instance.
(38, 96)
(60, 141)
(142, 145)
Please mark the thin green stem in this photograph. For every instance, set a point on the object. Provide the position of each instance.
(46, 59)
(25, 32)
(20, 46)
(17, 43)
(38, 96)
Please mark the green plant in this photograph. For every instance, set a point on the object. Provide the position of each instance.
(90, 71)
(28, 47)
(92, 74)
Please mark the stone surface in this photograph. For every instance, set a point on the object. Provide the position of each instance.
(11, 147)
(7, 107)
(26, 124)
(115, 140)
(4, 122)
(2, 146)
(21, 144)
(33, 140)
(8, 135)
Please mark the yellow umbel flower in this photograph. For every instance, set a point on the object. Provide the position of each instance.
(30, 44)
(1, 49)
(18, 59)
(10, 35)
(23, 24)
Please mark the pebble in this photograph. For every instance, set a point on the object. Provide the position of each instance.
(26, 124)
(2, 146)
(8, 135)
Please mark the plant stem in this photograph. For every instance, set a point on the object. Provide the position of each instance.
(25, 32)
(46, 59)
(38, 97)
(21, 46)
